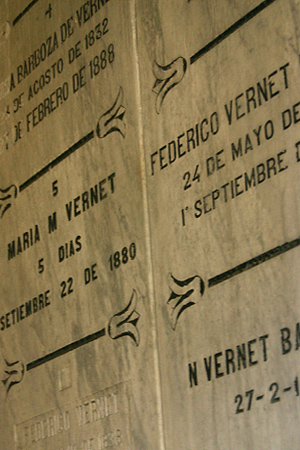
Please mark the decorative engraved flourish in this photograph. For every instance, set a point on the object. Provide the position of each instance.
(187, 293)
(7, 196)
(124, 322)
(121, 324)
(184, 294)
(15, 373)
(112, 120)
(166, 78)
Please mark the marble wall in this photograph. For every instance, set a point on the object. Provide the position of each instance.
(149, 217)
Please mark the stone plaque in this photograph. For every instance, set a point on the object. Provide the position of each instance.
(149, 224)
(76, 322)
(220, 86)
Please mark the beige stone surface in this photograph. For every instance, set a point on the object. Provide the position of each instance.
(149, 176)
(80, 288)
(218, 197)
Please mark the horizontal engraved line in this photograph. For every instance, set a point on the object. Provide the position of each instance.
(28, 7)
(66, 349)
(238, 24)
(274, 252)
(57, 160)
